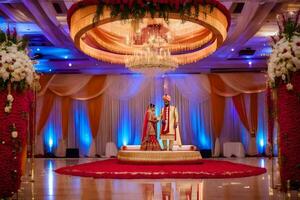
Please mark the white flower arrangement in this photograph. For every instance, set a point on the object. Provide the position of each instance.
(9, 101)
(14, 134)
(16, 68)
(285, 57)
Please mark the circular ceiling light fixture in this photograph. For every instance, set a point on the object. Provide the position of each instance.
(112, 31)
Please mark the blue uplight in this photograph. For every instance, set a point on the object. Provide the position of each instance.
(261, 143)
(50, 136)
(261, 136)
(82, 127)
(199, 129)
(50, 143)
(124, 128)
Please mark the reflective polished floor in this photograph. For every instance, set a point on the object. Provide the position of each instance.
(49, 185)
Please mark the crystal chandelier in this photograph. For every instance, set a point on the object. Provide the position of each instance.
(152, 58)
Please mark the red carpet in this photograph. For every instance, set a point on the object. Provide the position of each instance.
(205, 169)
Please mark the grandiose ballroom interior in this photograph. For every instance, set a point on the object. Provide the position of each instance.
(150, 99)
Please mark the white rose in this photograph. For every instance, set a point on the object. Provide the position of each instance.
(10, 98)
(283, 77)
(14, 134)
(4, 75)
(11, 67)
(284, 70)
(289, 86)
(7, 109)
(8, 59)
(289, 65)
(278, 73)
(287, 55)
(296, 61)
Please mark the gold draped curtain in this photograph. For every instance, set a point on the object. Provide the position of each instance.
(236, 85)
(71, 87)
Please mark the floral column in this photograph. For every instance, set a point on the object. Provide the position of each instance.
(17, 79)
(284, 74)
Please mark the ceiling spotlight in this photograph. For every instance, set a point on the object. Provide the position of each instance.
(70, 64)
(250, 63)
(50, 70)
(66, 57)
(232, 49)
(38, 49)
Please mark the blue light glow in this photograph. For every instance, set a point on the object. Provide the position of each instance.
(50, 137)
(82, 127)
(199, 129)
(50, 143)
(22, 27)
(49, 53)
(261, 143)
(124, 129)
(261, 129)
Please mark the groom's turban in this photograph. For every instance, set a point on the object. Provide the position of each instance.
(166, 97)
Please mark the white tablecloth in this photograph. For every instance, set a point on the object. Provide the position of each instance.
(111, 150)
(233, 148)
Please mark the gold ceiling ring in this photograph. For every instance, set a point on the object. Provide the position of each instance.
(81, 22)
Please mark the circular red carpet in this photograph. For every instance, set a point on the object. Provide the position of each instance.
(204, 169)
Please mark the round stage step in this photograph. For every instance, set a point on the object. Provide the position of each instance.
(152, 157)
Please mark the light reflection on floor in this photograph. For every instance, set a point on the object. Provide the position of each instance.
(49, 185)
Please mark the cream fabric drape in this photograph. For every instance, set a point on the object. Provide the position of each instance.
(245, 83)
(121, 101)
(194, 87)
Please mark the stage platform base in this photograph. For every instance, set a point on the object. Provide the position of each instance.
(154, 157)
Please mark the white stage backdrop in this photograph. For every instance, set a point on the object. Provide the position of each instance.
(124, 102)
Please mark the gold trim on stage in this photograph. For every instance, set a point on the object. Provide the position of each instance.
(158, 156)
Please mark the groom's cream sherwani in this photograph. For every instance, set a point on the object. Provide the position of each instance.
(169, 114)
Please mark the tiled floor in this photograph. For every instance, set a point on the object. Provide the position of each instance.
(49, 185)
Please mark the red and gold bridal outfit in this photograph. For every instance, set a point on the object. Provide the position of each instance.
(149, 140)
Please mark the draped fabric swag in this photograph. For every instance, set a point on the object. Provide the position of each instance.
(114, 106)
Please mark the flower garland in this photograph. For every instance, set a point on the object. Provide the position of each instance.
(139, 8)
(285, 58)
(16, 68)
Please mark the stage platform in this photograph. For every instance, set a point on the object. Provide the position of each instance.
(182, 154)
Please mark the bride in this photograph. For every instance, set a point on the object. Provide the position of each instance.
(149, 140)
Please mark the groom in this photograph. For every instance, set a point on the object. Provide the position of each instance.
(169, 129)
